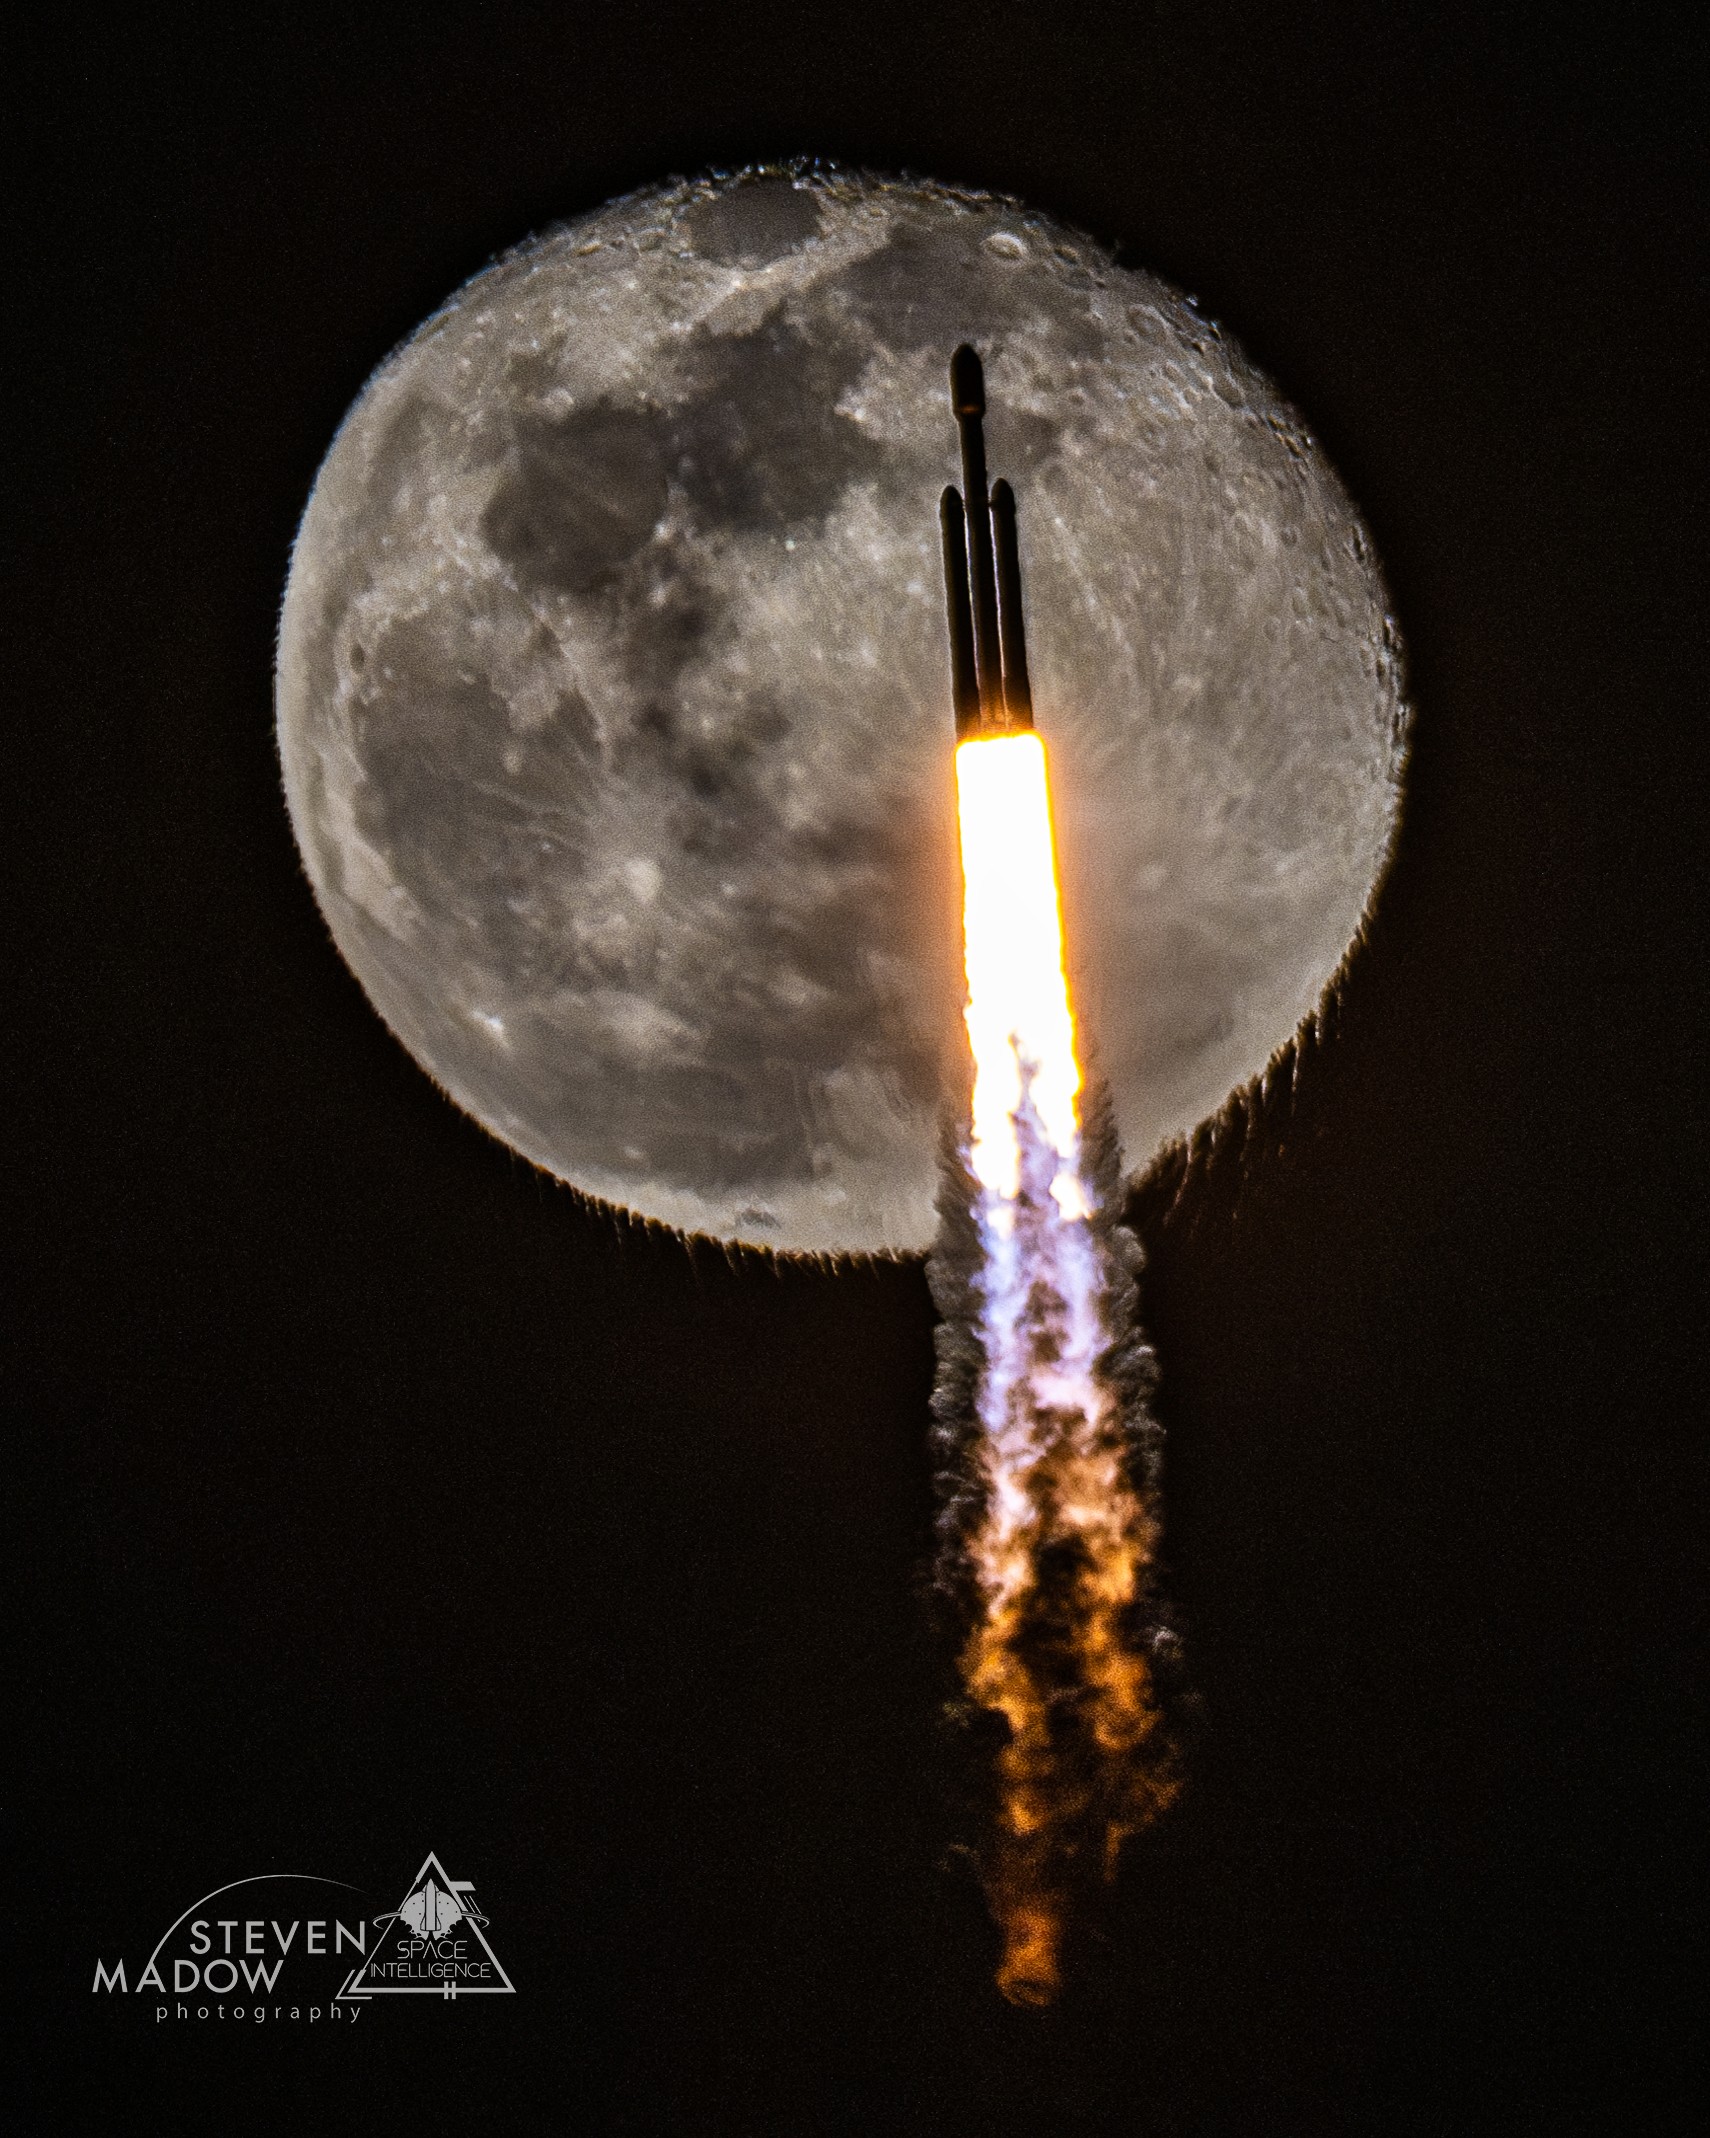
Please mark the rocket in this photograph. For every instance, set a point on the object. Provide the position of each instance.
(982, 577)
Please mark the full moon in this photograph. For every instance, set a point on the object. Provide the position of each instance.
(613, 692)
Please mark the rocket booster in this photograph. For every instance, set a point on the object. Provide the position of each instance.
(982, 577)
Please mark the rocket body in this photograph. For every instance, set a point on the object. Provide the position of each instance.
(982, 578)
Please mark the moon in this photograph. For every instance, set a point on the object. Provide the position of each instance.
(613, 692)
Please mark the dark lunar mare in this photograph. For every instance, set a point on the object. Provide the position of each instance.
(456, 797)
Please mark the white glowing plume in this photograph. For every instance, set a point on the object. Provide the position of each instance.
(1018, 1000)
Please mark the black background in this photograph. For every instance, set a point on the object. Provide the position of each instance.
(371, 1493)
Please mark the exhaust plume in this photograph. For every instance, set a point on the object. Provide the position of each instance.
(1048, 1452)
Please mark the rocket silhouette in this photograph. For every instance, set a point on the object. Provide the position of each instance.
(982, 577)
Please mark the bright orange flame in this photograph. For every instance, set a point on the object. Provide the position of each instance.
(1063, 1542)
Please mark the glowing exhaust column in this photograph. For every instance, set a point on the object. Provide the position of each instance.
(1057, 1541)
(1018, 1016)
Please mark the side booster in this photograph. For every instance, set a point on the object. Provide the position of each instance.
(982, 577)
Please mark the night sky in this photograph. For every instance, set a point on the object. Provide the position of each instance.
(370, 1493)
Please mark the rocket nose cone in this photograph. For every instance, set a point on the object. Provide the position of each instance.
(967, 383)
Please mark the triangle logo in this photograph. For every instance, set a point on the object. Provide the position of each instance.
(433, 1944)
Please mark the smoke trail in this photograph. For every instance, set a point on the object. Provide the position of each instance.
(1048, 1451)
(1048, 1458)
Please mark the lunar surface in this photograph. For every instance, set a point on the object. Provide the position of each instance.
(614, 710)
